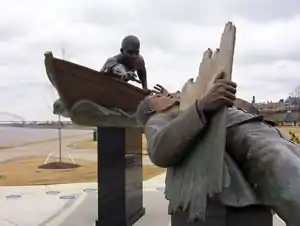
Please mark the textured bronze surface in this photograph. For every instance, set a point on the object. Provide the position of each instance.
(75, 82)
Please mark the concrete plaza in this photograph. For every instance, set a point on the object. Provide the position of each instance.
(75, 204)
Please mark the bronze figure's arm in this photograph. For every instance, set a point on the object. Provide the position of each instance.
(169, 138)
(109, 64)
(112, 66)
(142, 72)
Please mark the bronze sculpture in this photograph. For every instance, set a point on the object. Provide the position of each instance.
(103, 99)
(90, 97)
(216, 153)
(263, 165)
(211, 157)
(93, 98)
(127, 62)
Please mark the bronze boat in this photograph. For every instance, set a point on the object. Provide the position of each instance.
(74, 82)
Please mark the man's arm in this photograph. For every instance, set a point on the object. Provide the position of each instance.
(112, 66)
(109, 64)
(142, 72)
(170, 138)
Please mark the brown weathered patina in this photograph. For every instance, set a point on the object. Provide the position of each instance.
(74, 82)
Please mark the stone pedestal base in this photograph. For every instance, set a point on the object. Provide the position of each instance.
(120, 176)
(219, 215)
(249, 216)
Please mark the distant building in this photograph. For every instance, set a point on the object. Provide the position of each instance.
(275, 106)
(283, 112)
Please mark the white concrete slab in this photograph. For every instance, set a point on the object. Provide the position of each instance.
(30, 210)
(155, 182)
(37, 208)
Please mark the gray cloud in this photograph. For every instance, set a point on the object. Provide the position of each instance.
(12, 27)
(265, 58)
(174, 35)
(8, 33)
(266, 10)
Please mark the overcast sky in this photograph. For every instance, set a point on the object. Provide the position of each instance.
(173, 33)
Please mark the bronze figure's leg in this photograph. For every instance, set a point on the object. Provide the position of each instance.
(271, 164)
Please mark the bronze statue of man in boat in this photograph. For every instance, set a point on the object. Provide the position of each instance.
(101, 98)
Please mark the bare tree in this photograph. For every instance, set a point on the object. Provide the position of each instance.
(296, 92)
(63, 51)
(294, 97)
(294, 101)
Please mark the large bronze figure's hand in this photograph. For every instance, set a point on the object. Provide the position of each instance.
(220, 95)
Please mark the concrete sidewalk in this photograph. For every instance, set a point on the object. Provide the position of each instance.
(53, 205)
(74, 204)
(34, 205)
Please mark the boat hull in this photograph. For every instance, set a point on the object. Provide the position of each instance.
(74, 82)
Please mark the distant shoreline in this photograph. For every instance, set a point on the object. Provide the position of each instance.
(45, 126)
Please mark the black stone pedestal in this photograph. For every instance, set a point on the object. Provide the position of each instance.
(220, 215)
(249, 216)
(120, 176)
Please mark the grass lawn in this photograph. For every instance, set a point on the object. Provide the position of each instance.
(294, 129)
(27, 143)
(92, 145)
(26, 172)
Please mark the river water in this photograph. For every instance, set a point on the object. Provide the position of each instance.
(19, 135)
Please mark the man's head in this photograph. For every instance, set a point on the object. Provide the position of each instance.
(156, 104)
(130, 49)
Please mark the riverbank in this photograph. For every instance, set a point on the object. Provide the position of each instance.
(16, 136)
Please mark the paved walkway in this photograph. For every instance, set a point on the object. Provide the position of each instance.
(74, 204)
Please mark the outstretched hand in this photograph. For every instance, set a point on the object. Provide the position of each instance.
(159, 89)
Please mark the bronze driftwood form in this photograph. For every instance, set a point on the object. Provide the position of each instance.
(210, 160)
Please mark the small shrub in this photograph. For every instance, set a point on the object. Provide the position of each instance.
(294, 138)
